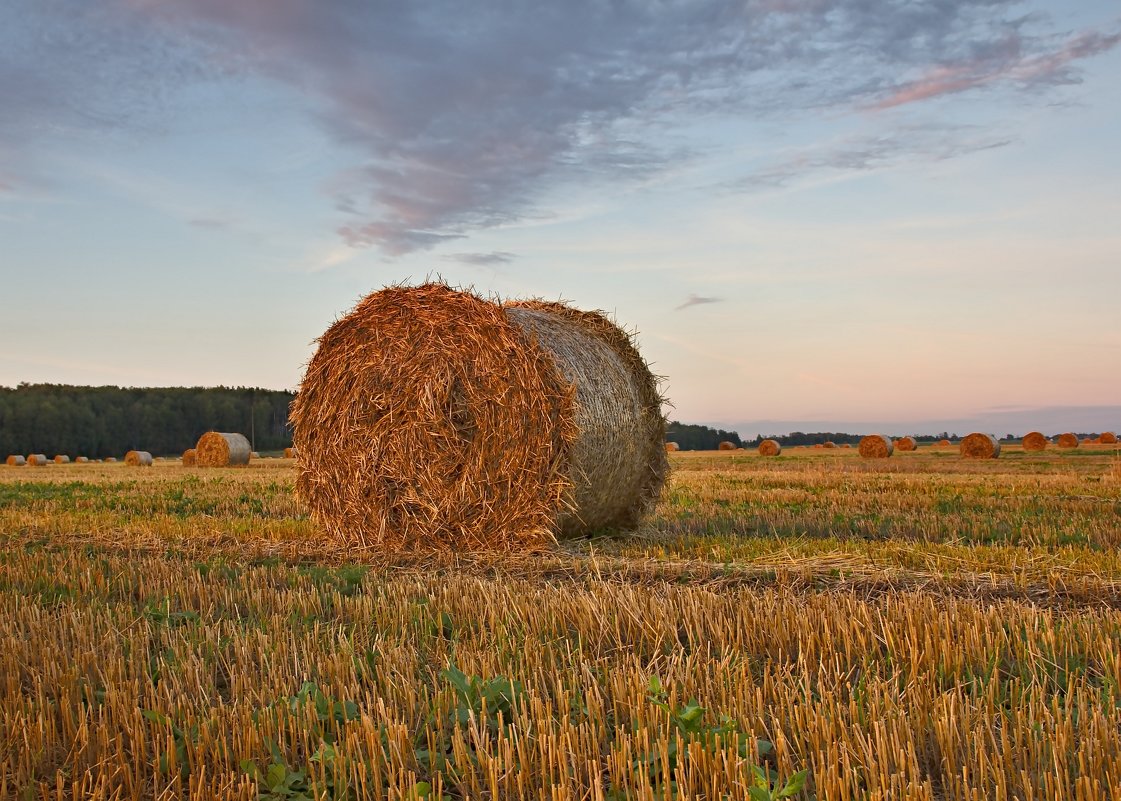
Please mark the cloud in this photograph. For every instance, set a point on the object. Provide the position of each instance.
(493, 259)
(696, 300)
(867, 152)
(457, 119)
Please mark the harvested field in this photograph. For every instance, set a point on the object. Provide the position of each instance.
(166, 635)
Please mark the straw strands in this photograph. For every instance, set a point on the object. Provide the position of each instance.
(906, 444)
(1067, 440)
(1034, 441)
(429, 417)
(138, 459)
(876, 446)
(215, 449)
(16, 461)
(769, 447)
(980, 446)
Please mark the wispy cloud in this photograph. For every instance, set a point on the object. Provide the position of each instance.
(492, 259)
(696, 300)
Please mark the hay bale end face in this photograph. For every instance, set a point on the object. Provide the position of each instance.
(1067, 440)
(1034, 441)
(672, 447)
(61, 459)
(289, 453)
(16, 461)
(980, 446)
(769, 447)
(189, 457)
(876, 446)
(431, 418)
(138, 459)
(726, 446)
(906, 444)
(215, 449)
(1107, 438)
(36, 459)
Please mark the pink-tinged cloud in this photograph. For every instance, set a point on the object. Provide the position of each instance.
(1048, 68)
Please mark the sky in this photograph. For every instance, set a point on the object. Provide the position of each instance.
(886, 212)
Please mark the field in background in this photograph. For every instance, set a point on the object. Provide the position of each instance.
(920, 627)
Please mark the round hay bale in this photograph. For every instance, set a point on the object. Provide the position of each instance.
(769, 447)
(1088, 441)
(215, 449)
(254, 455)
(189, 459)
(847, 445)
(906, 444)
(818, 446)
(943, 443)
(672, 447)
(1108, 438)
(1034, 441)
(110, 459)
(138, 459)
(289, 453)
(16, 461)
(980, 446)
(81, 460)
(36, 459)
(726, 446)
(429, 417)
(1067, 440)
(876, 446)
(829, 445)
(61, 459)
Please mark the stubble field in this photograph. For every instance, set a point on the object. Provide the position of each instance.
(922, 627)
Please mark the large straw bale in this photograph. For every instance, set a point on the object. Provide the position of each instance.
(769, 447)
(36, 459)
(1107, 438)
(215, 449)
(672, 447)
(876, 446)
(1034, 441)
(16, 460)
(61, 459)
(726, 446)
(906, 444)
(980, 446)
(138, 459)
(1067, 440)
(429, 417)
(190, 457)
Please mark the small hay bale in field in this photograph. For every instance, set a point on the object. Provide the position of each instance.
(254, 455)
(1088, 441)
(726, 446)
(36, 459)
(1107, 438)
(189, 457)
(289, 453)
(906, 444)
(1034, 441)
(215, 449)
(15, 461)
(769, 447)
(61, 459)
(672, 447)
(829, 444)
(944, 443)
(980, 446)
(81, 460)
(138, 459)
(431, 418)
(847, 445)
(876, 446)
(818, 446)
(1067, 440)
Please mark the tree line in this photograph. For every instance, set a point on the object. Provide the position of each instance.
(109, 421)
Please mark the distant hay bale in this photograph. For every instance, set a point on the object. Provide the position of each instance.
(829, 445)
(254, 455)
(1107, 438)
(15, 461)
(138, 459)
(215, 449)
(110, 458)
(1067, 440)
(36, 459)
(980, 446)
(906, 444)
(1034, 441)
(61, 459)
(430, 418)
(769, 447)
(818, 446)
(81, 460)
(672, 447)
(847, 445)
(942, 443)
(876, 446)
(289, 453)
(189, 459)
(726, 446)
(1088, 441)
